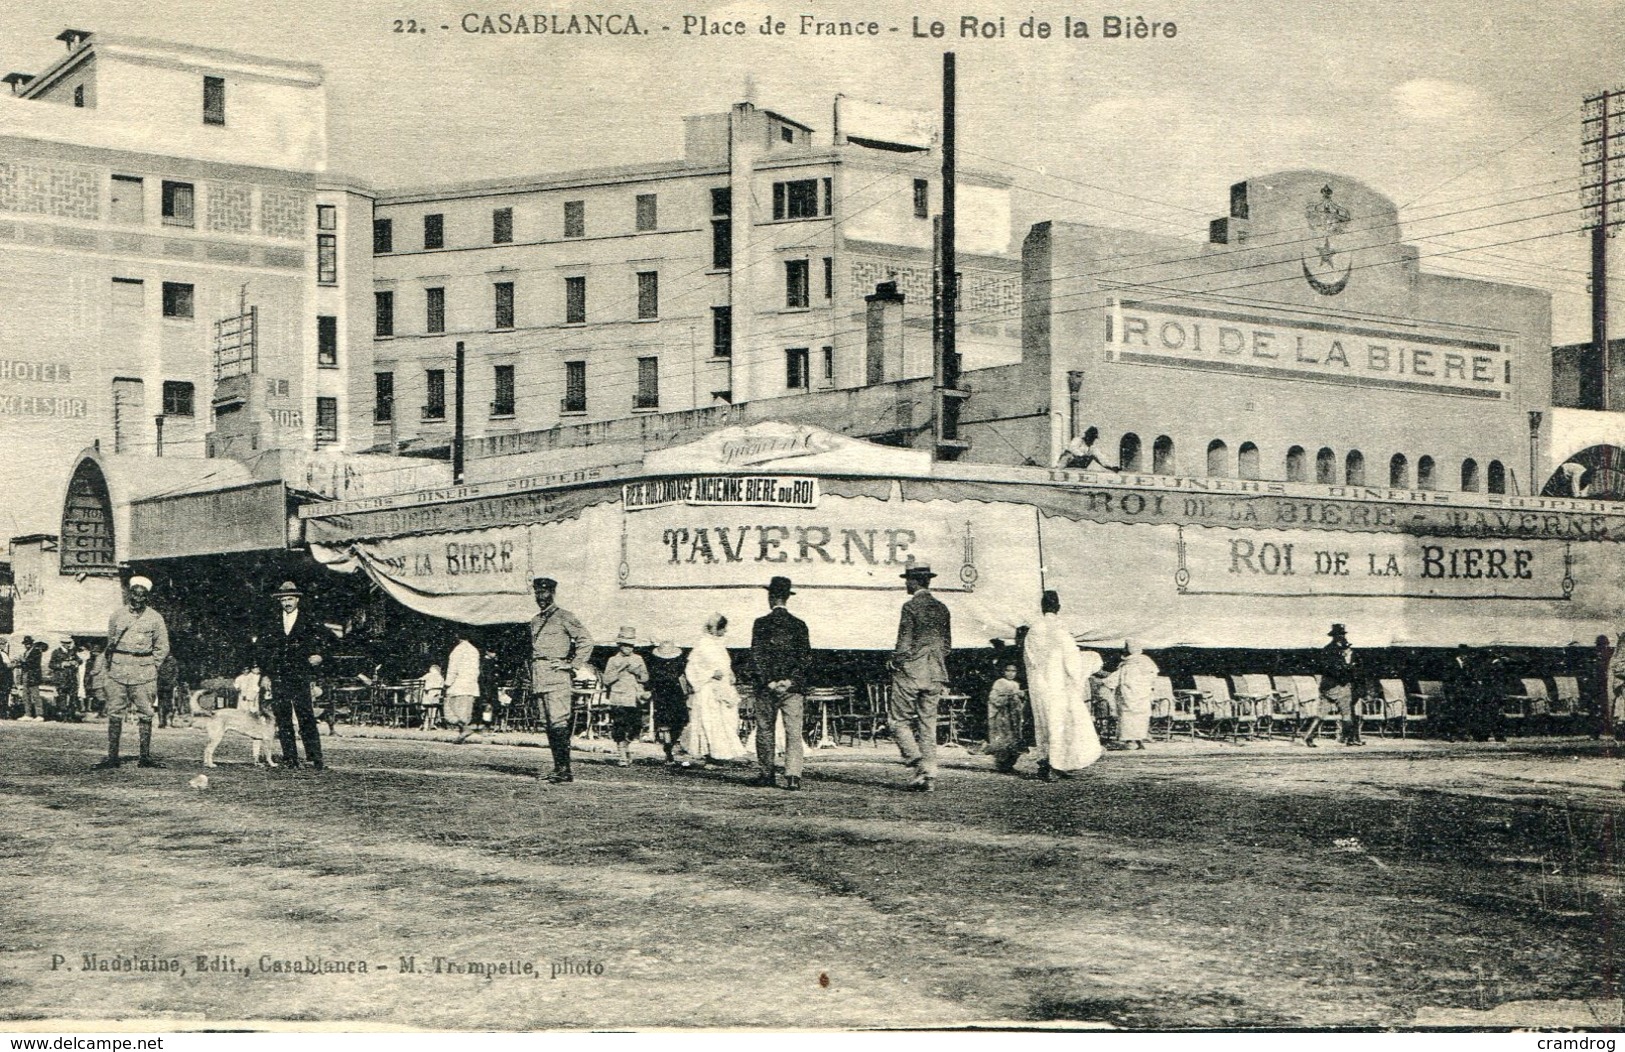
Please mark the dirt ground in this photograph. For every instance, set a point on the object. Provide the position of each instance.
(1195, 885)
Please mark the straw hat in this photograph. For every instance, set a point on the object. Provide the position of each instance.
(666, 648)
(628, 634)
(288, 588)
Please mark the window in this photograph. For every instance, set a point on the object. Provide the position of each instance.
(177, 300)
(795, 283)
(786, 134)
(1497, 477)
(648, 394)
(129, 296)
(1218, 458)
(1469, 475)
(1424, 473)
(829, 278)
(327, 259)
(434, 231)
(1326, 467)
(575, 388)
(796, 200)
(795, 369)
(648, 217)
(827, 374)
(1296, 469)
(502, 381)
(383, 236)
(129, 205)
(504, 304)
(1128, 452)
(1354, 468)
(327, 341)
(575, 219)
(922, 199)
(1246, 461)
(327, 421)
(501, 226)
(434, 310)
(1399, 470)
(575, 301)
(177, 204)
(648, 294)
(434, 396)
(384, 313)
(722, 244)
(383, 397)
(722, 201)
(79, 96)
(722, 332)
(177, 398)
(327, 217)
(214, 100)
(1162, 456)
(829, 195)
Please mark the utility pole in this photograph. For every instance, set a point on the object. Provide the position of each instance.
(947, 394)
(457, 420)
(1602, 195)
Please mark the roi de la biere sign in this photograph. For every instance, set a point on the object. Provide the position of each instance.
(1255, 345)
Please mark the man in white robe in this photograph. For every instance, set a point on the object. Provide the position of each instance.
(1131, 686)
(1058, 684)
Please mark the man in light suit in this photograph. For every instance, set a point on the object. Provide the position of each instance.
(919, 668)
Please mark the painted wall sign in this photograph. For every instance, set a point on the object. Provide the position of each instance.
(455, 516)
(721, 491)
(1257, 345)
(1291, 563)
(86, 543)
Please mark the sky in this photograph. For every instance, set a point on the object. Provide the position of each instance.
(1466, 114)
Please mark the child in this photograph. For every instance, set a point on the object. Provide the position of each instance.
(624, 677)
(1004, 737)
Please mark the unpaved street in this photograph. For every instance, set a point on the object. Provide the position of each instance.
(1194, 885)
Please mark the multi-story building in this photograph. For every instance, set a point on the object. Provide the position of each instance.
(172, 262)
(737, 273)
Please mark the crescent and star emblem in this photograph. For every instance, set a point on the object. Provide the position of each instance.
(1325, 267)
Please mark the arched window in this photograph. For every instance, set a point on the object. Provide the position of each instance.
(1497, 477)
(1218, 459)
(1399, 471)
(1128, 452)
(1469, 475)
(1162, 456)
(1424, 474)
(1247, 461)
(1326, 467)
(1354, 468)
(1294, 465)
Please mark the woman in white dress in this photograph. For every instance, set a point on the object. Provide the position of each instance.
(713, 723)
(1058, 683)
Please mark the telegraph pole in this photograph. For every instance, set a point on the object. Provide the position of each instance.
(947, 394)
(1602, 193)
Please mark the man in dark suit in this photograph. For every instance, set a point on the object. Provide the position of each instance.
(779, 655)
(292, 649)
(919, 671)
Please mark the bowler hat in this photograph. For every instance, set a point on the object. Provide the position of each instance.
(917, 570)
(288, 588)
(779, 586)
(1338, 632)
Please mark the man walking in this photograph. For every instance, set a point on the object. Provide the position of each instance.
(137, 643)
(558, 642)
(919, 670)
(1340, 684)
(779, 655)
(462, 684)
(291, 650)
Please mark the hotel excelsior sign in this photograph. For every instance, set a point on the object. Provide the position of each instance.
(1358, 355)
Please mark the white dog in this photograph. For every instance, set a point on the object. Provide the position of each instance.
(258, 727)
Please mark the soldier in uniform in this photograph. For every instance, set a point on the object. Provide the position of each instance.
(558, 642)
(137, 643)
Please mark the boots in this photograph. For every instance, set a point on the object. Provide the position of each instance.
(146, 746)
(624, 751)
(558, 742)
(115, 727)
